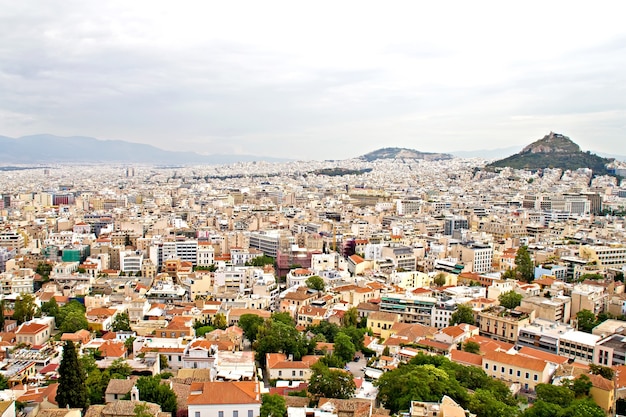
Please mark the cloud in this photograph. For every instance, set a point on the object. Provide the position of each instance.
(322, 80)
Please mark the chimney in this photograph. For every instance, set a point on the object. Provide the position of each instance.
(134, 393)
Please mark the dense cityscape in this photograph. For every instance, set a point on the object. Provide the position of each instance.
(361, 287)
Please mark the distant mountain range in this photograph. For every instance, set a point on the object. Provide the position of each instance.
(45, 149)
(403, 153)
(553, 151)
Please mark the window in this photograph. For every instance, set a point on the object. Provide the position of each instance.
(250, 413)
(280, 373)
(519, 374)
(220, 414)
(235, 413)
(527, 375)
(293, 373)
(197, 413)
(301, 373)
(536, 377)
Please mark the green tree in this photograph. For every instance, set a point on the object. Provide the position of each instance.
(350, 318)
(542, 409)
(463, 314)
(261, 261)
(73, 322)
(331, 383)
(278, 337)
(586, 321)
(427, 382)
(273, 405)
(201, 331)
(119, 369)
(219, 321)
(315, 283)
(471, 347)
(51, 308)
(603, 371)
(24, 308)
(96, 383)
(152, 390)
(585, 407)
(524, 264)
(581, 386)
(344, 348)
(72, 306)
(283, 317)
(142, 410)
(554, 394)
(485, 404)
(250, 324)
(72, 390)
(121, 322)
(510, 299)
(44, 269)
(128, 344)
(440, 279)
(4, 382)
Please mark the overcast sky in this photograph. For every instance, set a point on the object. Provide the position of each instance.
(315, 80)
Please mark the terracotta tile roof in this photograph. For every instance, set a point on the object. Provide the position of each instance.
(601, 382)
(112, 349)
(31, 328)
(540, 354)
(466, 358)
(382, 315)
(120, 386)
(101, 312)
(620, 376)
(519, 361)
(210, 393)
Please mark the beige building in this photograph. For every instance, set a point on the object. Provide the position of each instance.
(502, 324)
(557, 308)
(524, 370)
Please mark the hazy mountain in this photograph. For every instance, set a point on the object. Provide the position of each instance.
(487, 153)
(403, 153)
(78, 149)
(553, 151)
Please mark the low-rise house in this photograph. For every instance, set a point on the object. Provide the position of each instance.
(524, 370)
(117, 389)
(381, 323)
(279, 366)
(34, 334)
(224, 399)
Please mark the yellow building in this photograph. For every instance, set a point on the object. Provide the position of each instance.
(603, 392)
(380, 323)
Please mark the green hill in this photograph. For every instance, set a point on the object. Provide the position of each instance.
(553, 151)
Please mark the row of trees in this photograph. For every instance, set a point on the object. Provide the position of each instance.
(278, 334)
(81, 383)
(428, 378)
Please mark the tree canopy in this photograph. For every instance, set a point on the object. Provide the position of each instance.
(315, 283)
(510, 299)
(72, 390)
(524, 264)
(463, 314)
(250, 324)
(121, 322)
(25, 308)
(331, 383)
(152, 390)
(273, 405)
(428, 378)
